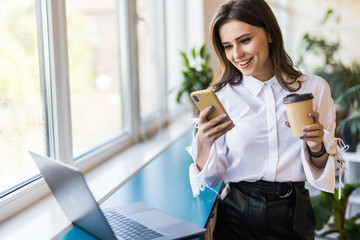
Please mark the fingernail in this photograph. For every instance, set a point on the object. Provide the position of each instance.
(310, 115)
(304, 129)
(211, 107)
(230, 122)
(304, 134)
(224, 116)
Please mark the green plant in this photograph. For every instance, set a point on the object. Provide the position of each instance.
(197, 72)
(349, 100)
(344, 81)
(327, 205)
(320, 47)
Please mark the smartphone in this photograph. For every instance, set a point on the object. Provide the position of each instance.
(206, 98)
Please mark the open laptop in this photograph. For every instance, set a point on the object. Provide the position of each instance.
(74, 197)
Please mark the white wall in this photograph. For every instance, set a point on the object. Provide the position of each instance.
(210, 8)
(195, 23)
(296, 17)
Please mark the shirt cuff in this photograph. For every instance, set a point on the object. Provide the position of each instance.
(322, 179)
(197, 177)
(213, 171)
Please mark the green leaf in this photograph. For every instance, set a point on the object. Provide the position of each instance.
(178, 95)
(350, 97)
(351, 122)
(351, 228)
(202, 51)
(322, 208)
(328, 14)
(185, 59)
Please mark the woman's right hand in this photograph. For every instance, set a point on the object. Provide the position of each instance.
(208, 132)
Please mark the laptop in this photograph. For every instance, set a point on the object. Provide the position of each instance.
(132, 221)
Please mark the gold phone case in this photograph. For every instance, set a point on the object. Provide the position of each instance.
(207, 97)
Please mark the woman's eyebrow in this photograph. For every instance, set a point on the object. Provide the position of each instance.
(238, 38)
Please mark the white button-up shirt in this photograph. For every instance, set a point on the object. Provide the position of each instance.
(261, 146)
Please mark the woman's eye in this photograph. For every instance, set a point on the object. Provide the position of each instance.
(227, 47)
(245, 40)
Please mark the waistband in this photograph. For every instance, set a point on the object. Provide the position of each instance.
(280, 189)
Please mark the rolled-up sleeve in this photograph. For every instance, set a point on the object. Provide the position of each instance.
(214, 170)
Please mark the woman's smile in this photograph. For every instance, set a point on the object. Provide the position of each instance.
(245, 63)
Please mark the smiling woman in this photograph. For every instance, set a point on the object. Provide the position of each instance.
(263, 165)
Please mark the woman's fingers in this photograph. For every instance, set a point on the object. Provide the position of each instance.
(216, 125)
(314, 115)
(315, 129)
(313, 133)
(203, 114)
(219, 128)
(211, 130)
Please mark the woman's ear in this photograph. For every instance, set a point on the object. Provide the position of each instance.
(269, 38)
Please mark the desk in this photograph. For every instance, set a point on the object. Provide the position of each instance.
(164, 184)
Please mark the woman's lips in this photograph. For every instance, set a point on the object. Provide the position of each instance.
(245, 63)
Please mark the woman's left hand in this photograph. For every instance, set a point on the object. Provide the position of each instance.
(313, 134)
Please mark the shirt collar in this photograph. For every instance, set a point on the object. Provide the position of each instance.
(254, 85)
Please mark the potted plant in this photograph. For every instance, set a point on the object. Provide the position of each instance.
(349, 102)
(197, 72)
(343, 81)
(330, 214)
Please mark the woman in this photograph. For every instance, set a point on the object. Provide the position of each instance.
(263, 165)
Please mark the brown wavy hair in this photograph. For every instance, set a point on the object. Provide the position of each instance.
(259, 14)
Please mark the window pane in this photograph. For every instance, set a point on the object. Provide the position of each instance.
(22, 118)
(150, 82)
(175, 41)
(95, 91)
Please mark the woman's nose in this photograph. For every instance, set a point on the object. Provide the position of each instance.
(238, 52)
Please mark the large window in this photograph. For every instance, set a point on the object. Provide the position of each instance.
(151, 49)
(23, 124)
(80, 80)
(94, 69)
(175, 10)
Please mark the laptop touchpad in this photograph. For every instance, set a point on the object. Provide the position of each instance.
(154, 218)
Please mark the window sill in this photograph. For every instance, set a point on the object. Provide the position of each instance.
(45, 219)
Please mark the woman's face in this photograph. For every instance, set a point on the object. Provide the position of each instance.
(246, 47)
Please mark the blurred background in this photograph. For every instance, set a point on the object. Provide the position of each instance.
(80, 77)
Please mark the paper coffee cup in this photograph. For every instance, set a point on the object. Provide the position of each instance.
(298, 107)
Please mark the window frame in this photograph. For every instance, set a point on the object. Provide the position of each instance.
(54, 74)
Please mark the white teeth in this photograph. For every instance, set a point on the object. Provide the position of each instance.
(244, 62)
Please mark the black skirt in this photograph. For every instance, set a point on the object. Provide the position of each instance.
(265, 210)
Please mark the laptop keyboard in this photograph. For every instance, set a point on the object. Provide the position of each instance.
(128, 228)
